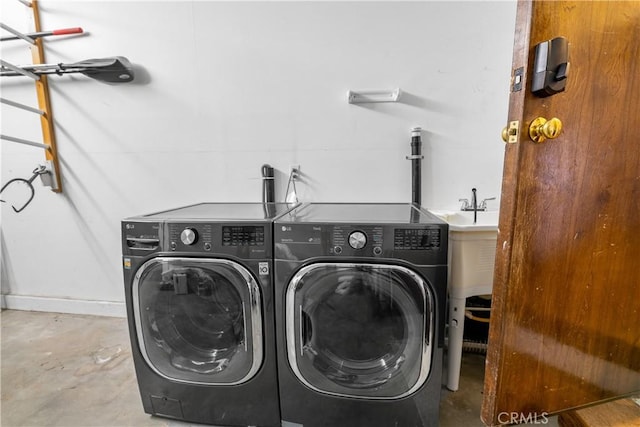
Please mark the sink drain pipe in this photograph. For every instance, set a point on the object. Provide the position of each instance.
(416, 166)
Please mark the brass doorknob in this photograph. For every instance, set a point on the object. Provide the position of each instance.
(505, 134)
(542, 129)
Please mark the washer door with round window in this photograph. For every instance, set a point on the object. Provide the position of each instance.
(360, 330)
(198, 320)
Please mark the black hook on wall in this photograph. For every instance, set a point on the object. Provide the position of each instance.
(40, 170)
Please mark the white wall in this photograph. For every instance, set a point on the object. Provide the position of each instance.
(224, 87)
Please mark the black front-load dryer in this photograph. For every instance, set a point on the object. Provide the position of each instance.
(199, 295)
(360, 300)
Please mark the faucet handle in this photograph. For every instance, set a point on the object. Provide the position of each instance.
(483, 203)
(465, 204)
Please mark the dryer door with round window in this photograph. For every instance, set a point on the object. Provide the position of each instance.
(360, 330)
(198, 320)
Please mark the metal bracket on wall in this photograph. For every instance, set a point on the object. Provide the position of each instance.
(44, 103)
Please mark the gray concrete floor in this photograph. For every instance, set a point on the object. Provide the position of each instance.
(73, 370)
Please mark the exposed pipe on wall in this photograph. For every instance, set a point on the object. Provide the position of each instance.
(268, 184)
(268, 191)
(416, 166)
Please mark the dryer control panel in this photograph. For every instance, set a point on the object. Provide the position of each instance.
(423, 244)
(364, 239)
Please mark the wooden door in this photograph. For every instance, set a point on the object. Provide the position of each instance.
(565, 324)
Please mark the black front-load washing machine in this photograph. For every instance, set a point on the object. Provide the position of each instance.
(360, 301)
(199, 295)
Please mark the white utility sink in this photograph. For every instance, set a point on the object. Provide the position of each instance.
(463, 220)
(472, 249)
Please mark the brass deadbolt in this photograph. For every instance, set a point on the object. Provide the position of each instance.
(542, 129)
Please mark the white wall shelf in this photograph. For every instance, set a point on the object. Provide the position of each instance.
(369, 96)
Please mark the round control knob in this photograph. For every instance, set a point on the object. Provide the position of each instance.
(189, 236)
(377, 250)
(357, 240)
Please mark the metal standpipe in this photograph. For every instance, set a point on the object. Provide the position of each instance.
(416, 166)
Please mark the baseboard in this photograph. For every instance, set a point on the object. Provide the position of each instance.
(63, 305)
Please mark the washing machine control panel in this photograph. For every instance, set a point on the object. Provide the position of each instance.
(357, 240)
(412, 239)
(242, 235)
(204, 237)
(189, 236)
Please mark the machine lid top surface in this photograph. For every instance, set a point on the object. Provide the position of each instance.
(376, 213)
(223, 211)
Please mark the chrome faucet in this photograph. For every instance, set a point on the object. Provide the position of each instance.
(474, 206)
(483, 204)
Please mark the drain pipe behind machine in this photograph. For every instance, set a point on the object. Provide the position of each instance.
(268, 184)
(416, 166)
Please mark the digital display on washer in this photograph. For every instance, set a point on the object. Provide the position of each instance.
(241, 235)
(416, 238)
